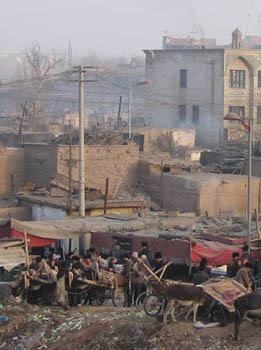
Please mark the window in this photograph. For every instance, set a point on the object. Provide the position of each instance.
(237, 79)
(39, 162)
(259, 79)
(182, 113)
(183, 78)
(195, 114)
(239, 110)
(258, 118)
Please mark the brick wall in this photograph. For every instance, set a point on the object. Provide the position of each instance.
(117, 162)
(12, 170)
(41, 164)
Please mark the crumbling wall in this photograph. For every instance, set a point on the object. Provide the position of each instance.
(181, 137)
(12, 170)
(41, 164)
(179, 193)
(227, 196)
(117, 162)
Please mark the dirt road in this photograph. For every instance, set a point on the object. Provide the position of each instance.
(30, 327)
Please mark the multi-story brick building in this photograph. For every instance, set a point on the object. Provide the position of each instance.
(196, 88)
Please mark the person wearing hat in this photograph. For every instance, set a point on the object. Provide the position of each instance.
(234, 265)
(158, 263)
(145, 251)
(244, 276)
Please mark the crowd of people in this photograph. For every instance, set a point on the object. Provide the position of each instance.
(244, 269)
(54, 266)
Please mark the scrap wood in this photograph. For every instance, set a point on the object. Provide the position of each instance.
(96, 283)
(257, 225)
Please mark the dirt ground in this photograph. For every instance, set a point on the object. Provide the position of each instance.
(31, 327)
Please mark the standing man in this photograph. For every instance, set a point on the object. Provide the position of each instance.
(145, 251)
(234, 265)
(118, 253)
(244, 276)
(158, 263)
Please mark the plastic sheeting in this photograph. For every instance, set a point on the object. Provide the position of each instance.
(33, 241)
(215, 252)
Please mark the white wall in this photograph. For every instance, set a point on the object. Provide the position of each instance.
(205, 87)
(42, 213)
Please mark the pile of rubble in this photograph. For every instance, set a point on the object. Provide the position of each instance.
(91, 138)
(110, 328)
(227, 160)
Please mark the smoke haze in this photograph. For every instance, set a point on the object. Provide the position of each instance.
(120, 27)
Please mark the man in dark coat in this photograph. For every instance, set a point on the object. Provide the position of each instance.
(145, 251)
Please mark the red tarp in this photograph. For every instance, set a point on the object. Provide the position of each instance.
(215, 252)
(33, 240)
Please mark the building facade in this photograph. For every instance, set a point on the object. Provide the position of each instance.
(116, 162)
(197, 88)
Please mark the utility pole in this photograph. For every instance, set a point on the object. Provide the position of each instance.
(119, 113)
(70, 167)
(130, 110)
(81, 70)
(24, 113)
(81, 139)
(106, 195)
(249, 189)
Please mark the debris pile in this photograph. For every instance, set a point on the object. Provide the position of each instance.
(91, 138)
(224, 160)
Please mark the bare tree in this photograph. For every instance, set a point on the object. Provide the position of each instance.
(38, 68)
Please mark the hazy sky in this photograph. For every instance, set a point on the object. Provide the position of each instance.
(120, 26)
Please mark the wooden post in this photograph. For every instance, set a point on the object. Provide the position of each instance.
(148, 269)
(164, 269)
(106, 195)
(257, 224)
(26, 251)
(161, 185)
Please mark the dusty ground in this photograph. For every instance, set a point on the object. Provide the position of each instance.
(109, 328)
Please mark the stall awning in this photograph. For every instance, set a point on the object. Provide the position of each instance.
(42, 233)
(53, 229)
(215, 252)
(12, 253)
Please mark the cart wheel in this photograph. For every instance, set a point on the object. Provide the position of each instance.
(154, 304)
(140, 300)
(118, 298)
(98, 297)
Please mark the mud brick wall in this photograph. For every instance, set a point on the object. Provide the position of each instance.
(41, 164)
(117, 162)
(12, 170)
